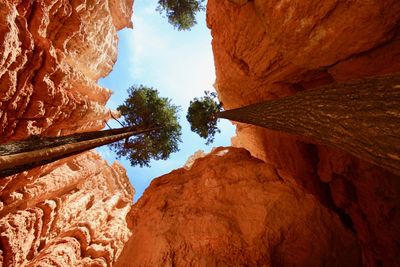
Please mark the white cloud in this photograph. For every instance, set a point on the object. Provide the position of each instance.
(143, 39)
(179, 64)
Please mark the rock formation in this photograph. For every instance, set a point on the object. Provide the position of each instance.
(265, 50)
(52, 54)
(292, 203)
(71, 212)
(230, 209)
(269, 49)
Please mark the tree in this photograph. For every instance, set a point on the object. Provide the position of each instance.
(151, 131)
(203, 115)
(144, 109)
(361, 117)
(181, 13)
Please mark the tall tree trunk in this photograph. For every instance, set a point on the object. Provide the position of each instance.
(361, 117)
(23, 155)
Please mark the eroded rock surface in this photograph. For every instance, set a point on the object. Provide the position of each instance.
(51, 55)
(71, 212)
(302, 205)
(270, 49)
(230, 209)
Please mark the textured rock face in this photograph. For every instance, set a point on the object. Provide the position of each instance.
(51, 55)
(71, 212)
(269, 49)
(307, 206)
(230, 209)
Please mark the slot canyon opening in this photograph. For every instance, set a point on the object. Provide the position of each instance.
(180, 65)
(276, 200)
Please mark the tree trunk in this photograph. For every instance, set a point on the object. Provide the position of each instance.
(23, 155)
(361, 117)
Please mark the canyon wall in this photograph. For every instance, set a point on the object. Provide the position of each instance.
(231, 209)
(52, 54)
(304, 204)
(71, 212)
(270, 49)
(266, 50)
(289, 203)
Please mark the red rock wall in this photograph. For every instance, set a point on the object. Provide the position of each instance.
(308, 205)
(71, 212)
(269, 49)
(231, 209)
(52, 54)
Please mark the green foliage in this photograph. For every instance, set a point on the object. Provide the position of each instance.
(202, 116)
(181, 13)
(145, 109)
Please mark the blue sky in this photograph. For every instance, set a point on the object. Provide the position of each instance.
(179, 64)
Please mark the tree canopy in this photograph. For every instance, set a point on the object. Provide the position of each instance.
(359, 117)
(202, 116)
(145, 109)
(181, 13)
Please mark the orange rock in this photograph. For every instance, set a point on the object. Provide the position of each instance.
(380, 60)
(303, 205)
(71, 212)
(51, 55)
(269, 49)
(231, 209)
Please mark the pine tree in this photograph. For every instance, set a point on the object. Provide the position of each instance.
(361, 117)
(151, 132)
(181, 13)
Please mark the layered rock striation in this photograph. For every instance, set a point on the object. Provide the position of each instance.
(269, 49)
(71, 212)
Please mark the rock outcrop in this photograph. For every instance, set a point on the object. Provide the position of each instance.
(292, 203)
(230, 209)
(71, 212)
(52, 54)
(270, 49)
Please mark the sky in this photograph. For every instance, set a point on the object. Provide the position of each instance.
(177, 63)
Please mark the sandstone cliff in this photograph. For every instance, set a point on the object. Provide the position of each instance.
(269, 49)
(230, 209)
(52, 54)
(71, 212)
(302, 205)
